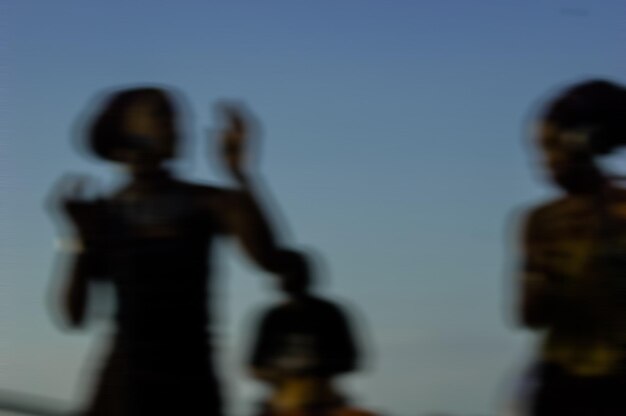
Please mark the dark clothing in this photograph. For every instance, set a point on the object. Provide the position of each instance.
(156, 254)
(310, 336)
(562, 394)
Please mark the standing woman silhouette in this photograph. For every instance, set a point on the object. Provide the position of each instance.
(573, 283)
(151, 240)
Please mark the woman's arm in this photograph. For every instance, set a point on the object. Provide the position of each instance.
(246, 220)
(551, 293)
(241, 212)
(84, 267)
(537, 300)
(82, 254)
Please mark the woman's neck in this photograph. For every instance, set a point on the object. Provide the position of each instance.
(148, 178)
(296, 393)
(147, 173)
(592, 184)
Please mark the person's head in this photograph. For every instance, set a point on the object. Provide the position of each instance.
(295, 273)
(585, 121)
(136, 127)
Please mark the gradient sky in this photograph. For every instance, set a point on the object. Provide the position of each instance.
(395, 146)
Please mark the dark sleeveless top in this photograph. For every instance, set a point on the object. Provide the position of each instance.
(157, 257)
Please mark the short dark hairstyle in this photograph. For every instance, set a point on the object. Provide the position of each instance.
(295, 268)
(104, 134)
(599, 105)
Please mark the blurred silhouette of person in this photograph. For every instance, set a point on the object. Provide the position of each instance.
(573, 285)
(302, 345)
(151, 240)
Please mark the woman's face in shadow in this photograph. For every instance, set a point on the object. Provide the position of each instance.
(568, 167)
(148, 124)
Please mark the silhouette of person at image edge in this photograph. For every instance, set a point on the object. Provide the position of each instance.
(302, 345)
(151, 241)
(573, 286)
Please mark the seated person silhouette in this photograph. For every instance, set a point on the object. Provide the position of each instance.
(302, 345)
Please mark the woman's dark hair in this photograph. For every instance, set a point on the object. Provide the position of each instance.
(597, 106)
(104, 134)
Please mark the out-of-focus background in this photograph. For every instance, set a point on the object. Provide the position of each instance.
(396, 144)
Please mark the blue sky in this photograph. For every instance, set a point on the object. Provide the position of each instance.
(396, 145)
